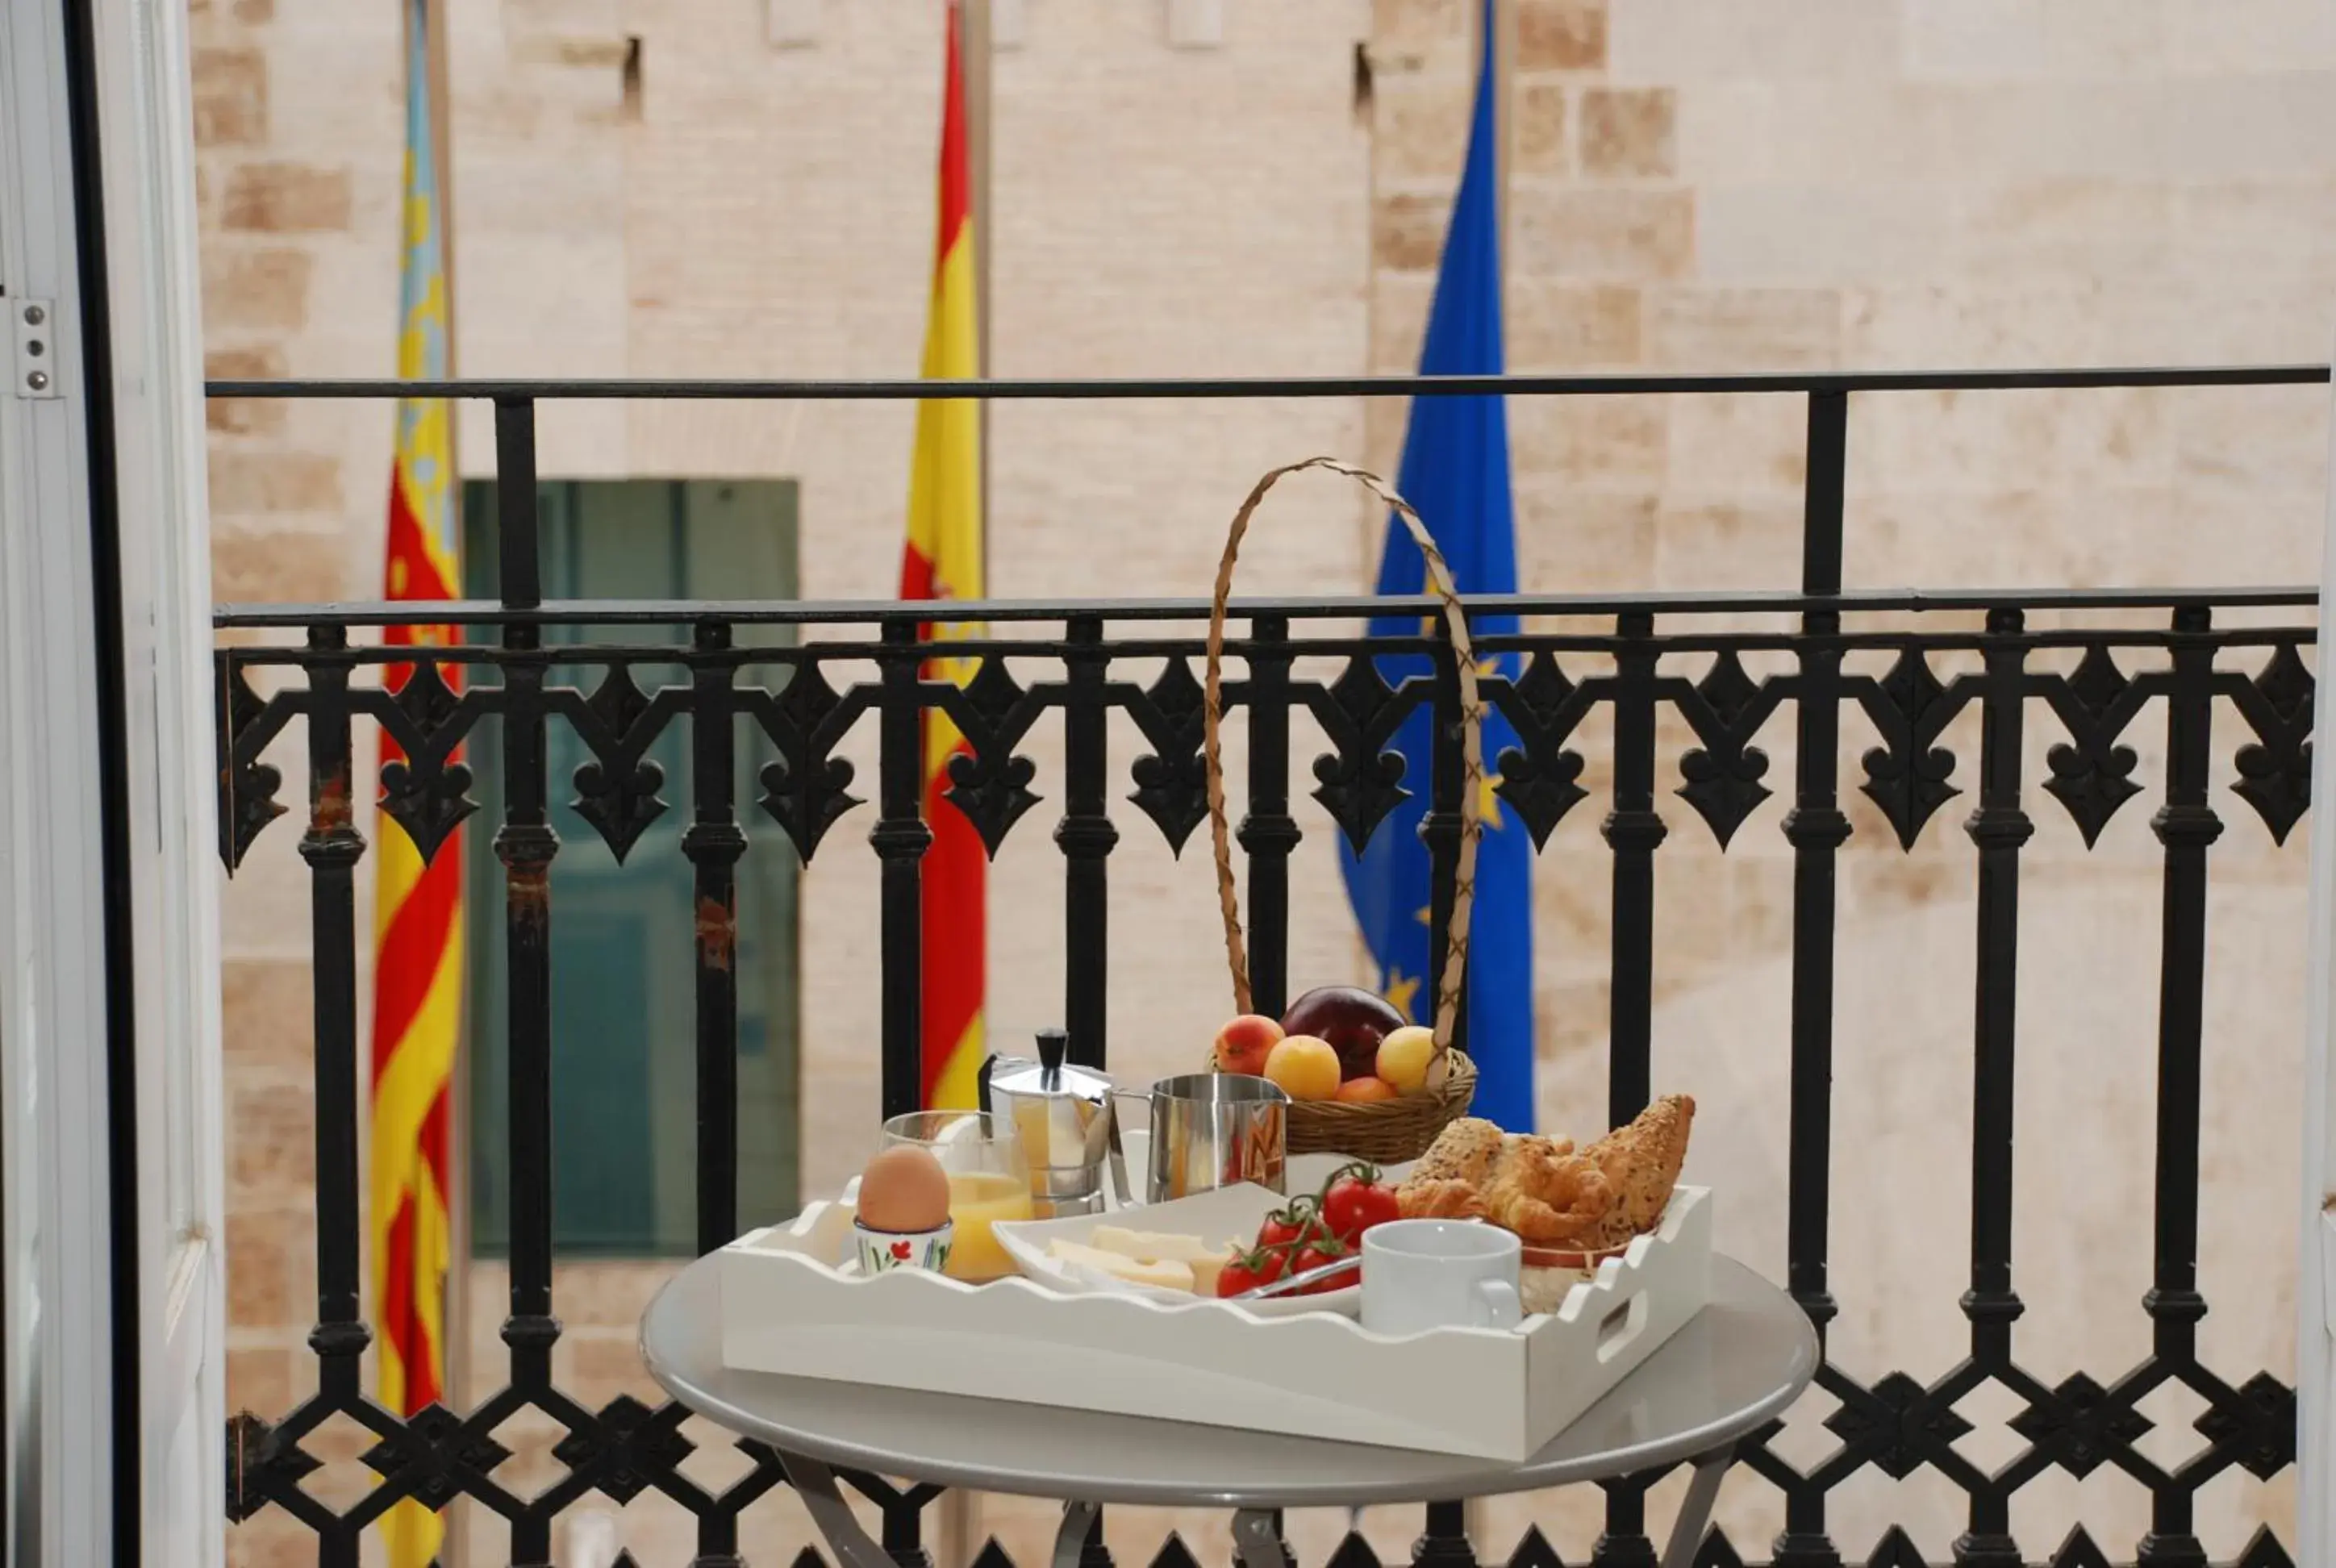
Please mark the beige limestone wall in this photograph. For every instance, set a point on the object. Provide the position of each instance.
(1694, 184)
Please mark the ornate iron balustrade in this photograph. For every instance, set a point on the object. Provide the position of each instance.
(1648, 663)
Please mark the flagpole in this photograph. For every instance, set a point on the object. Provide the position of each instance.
(979, 50)
(1501, 16)
(455, 1551)
(957, 1526)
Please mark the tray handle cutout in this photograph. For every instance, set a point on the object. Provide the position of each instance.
(1620, 1327)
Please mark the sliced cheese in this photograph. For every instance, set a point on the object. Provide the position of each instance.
(1151, 1246)
(1168, 1275)
(1166, 1247)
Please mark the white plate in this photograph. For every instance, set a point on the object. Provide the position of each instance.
(1227, 1215)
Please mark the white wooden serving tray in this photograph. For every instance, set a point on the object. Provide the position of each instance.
(1501, 1394)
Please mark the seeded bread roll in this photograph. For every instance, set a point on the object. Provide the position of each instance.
(1641, 1163)
(1448, 1182)
(1463, 1151)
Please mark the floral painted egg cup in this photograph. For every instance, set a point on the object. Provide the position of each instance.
(887, 1251)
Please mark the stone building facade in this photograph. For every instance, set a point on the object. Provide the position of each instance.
(1692, 185)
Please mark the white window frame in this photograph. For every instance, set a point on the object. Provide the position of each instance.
(57, 1215)
(52, 926)
(155, 286)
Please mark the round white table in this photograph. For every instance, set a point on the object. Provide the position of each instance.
(1734, 1366)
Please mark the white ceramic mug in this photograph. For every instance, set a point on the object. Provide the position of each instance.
(1422, 1274)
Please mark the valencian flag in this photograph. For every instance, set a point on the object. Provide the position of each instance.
(418, 913)
(1455, 473)
(943, 560)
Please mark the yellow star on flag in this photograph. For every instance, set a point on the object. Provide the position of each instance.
(1400, 992)
(1488, 802)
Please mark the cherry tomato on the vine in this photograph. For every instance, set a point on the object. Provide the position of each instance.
(1355, 1201)
(1286, 1228)
(1320, 1253)
(1250, 1271)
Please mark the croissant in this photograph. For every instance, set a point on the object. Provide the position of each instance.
(1548, 1194)
(1440, 1198)
(1537, 1187)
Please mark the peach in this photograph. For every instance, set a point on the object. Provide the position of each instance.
(1366, 1091)
(1305, 1066)
(1244, 1043)
(1403, 1057)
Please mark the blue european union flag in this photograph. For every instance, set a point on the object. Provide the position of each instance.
(1456, 474)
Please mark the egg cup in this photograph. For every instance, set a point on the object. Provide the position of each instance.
(885, 1252)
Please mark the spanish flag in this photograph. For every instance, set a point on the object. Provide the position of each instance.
(418, 914)
(943, 560)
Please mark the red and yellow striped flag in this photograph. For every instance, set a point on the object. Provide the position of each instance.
(943, 560)
(418, 909)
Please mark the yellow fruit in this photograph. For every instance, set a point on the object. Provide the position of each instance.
(1403, 1057)
(1306, 1067)
(1366, 1091)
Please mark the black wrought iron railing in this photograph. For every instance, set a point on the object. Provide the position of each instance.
(1712, 669)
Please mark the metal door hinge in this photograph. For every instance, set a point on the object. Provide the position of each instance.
(36, 322)
(2328, 1266)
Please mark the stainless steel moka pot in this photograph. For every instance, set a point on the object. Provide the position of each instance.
(1061, 1114)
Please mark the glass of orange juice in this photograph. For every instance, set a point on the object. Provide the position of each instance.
(989, 1181)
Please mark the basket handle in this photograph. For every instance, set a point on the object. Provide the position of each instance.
(1472, 718)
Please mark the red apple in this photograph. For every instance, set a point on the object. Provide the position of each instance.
(1242, 1044)
(1352, 1019)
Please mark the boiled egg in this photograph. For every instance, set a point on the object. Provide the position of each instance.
(904, 1191)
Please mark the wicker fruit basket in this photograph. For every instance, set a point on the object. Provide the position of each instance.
(1387, 1130)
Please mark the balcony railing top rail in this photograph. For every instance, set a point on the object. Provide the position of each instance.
(799, 612)
(1514, 384)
